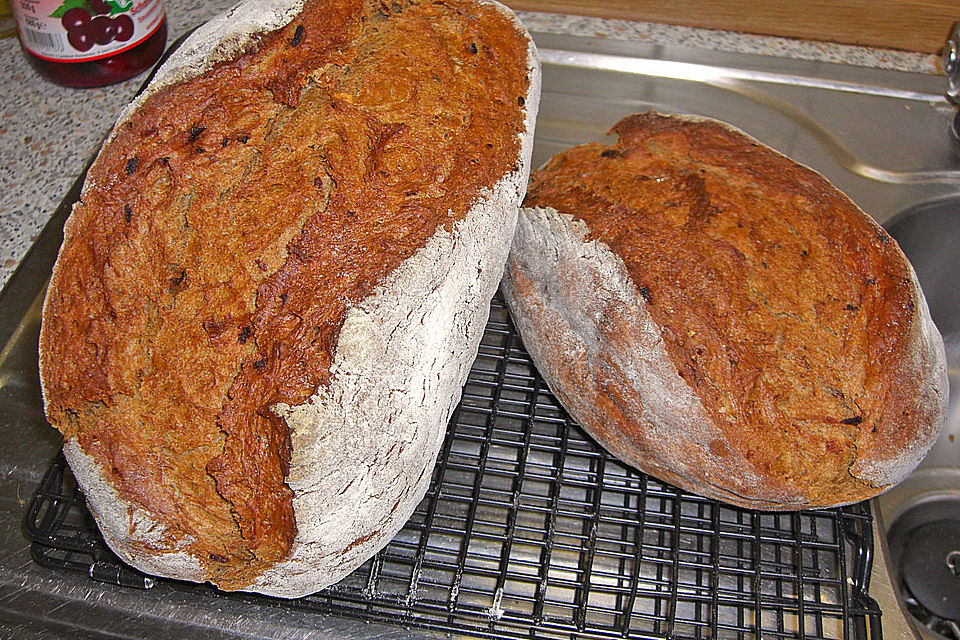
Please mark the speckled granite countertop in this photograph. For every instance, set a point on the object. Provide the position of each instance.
(47, 133)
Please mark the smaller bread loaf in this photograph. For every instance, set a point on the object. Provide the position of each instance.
(724, 319)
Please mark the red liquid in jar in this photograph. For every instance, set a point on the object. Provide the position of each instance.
(104, 71)
(91, 43)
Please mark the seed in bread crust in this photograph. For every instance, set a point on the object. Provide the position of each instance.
(297, 36)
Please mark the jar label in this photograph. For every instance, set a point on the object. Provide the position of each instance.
(82, 30)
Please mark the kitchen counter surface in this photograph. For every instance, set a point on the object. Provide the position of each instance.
(48, 133)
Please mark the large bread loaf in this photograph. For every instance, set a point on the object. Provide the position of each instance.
(275, 282)
(724, 319)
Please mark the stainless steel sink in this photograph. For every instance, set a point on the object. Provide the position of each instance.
(921, 516)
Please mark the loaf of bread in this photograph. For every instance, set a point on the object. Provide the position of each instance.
(724, 319)
(270, 294)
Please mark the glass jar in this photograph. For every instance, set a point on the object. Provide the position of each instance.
(90, 43)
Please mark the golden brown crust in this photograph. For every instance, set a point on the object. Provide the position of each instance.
(792, 317)
(206, 273)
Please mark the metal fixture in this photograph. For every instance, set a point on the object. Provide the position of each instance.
(951, 64)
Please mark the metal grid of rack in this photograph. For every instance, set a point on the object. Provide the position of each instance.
(529, 529)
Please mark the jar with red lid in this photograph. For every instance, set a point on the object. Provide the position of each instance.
(90, 43)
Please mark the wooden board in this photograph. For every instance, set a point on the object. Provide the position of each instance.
(911, 25)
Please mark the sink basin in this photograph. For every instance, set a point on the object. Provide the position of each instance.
(921, 516)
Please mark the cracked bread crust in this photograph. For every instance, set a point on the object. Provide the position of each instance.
(266, 188)
(723, 318)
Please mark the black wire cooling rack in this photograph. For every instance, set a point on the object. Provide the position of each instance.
(530, 530)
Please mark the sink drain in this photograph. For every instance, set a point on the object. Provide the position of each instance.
(930, 567)
(925, 549)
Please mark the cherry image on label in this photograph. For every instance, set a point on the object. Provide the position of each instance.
(124, 28)
(85, 29)
(75, 19)
(91, 43)
(102, 30)
(79, 39)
